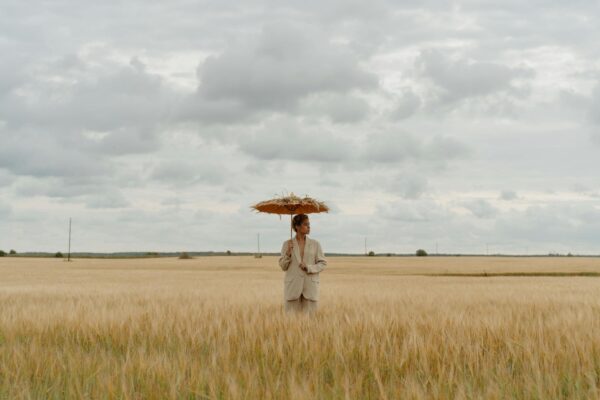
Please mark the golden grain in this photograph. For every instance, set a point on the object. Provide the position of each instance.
(214, 327)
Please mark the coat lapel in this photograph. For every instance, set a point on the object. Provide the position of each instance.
(307, 246)
(297, 250)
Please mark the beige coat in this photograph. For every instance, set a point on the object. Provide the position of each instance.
(296, 281)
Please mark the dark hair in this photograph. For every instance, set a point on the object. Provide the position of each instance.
(298, 220)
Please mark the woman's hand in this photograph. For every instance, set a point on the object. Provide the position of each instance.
(303, 267)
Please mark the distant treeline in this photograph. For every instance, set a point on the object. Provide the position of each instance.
(153, 254)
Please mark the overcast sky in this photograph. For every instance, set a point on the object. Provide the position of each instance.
(472, 126)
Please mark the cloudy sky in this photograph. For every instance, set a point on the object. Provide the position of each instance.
(467, 125)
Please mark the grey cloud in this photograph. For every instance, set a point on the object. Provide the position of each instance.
(563, 226)
(74, 114)
(557, 227)
(535, 24)
(188, 173)
(407, 104)
(460, 79)
(572, 99)
(594, 110)
(411, 211)
(174, 201)
(579, 187)
(585, 107)
(406, 181)
(12, 74)
(409, 187)
(38, 154)
(62, 187)
(508, 195)
(390, 146)
(121, 141)
(259, 167)
(281, 140)
(286, 63)
(110, 199)
(96, 95)
(444, 148)
(328, 181)
(5, 210)
(339, 108)
(393, 146)
(197, 108)
(480, 208)
(6, 178)
(346, 10)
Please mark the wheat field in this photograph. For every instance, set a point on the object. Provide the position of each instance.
(214, 328)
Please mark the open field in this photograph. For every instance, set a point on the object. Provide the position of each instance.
(214, 327)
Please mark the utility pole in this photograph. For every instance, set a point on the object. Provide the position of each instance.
(365, 245)
(69, 254)
(436, 248)
(258, 255)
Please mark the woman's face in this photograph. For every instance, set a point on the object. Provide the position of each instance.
(304, 227)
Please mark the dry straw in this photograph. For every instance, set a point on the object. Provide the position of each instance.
(215, 328)
(291, 204)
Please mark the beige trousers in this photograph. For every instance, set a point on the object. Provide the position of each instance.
(301, 304)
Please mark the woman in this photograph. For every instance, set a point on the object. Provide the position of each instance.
(302, 260)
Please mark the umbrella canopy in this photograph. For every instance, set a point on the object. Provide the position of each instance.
(291, 204)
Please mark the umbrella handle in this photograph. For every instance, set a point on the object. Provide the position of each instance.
(291, 240)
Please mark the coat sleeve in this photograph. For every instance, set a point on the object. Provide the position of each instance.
(320, 261)
(284, 260)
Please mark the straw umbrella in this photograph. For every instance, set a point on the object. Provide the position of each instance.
(291, 204)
